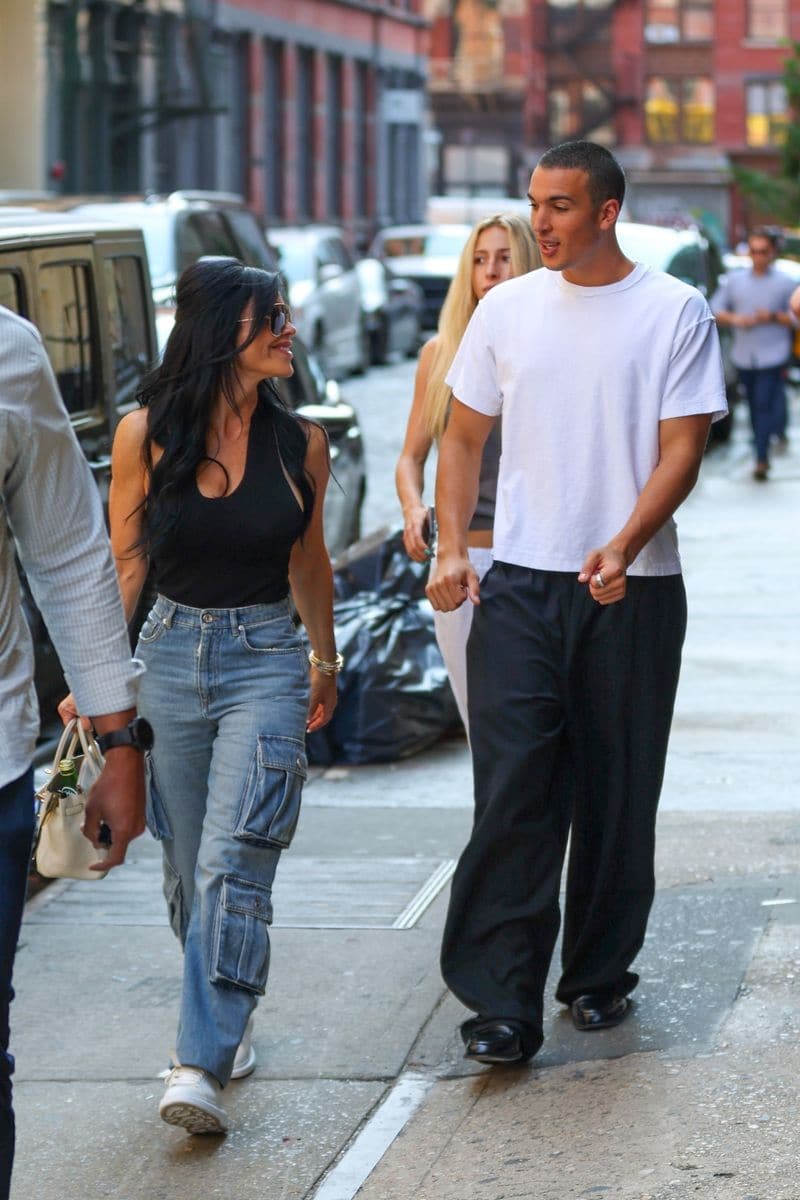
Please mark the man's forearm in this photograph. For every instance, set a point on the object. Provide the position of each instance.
(664, 492)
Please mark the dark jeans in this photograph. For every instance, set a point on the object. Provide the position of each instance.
(766, 398)
(16, 833)
(570, 706)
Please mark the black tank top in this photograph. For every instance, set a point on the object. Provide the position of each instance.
(234, 550)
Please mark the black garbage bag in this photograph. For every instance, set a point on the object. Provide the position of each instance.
(394, 695)
(380, 564)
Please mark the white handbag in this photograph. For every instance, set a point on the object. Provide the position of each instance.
(60, 849)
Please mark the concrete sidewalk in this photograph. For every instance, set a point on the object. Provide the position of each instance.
(361, 1087)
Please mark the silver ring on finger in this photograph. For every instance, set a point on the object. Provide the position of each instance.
(601, 583)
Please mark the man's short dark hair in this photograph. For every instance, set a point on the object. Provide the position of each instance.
(772, 236)
(606, 177)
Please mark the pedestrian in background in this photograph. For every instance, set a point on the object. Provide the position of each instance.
(498, 248)
(52, 515)
(221, 489)
(754, 303)
(606, 374)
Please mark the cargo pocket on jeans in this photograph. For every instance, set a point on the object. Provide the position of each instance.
(176, 909)
(271, 799)
(155, 813)
(241, 934)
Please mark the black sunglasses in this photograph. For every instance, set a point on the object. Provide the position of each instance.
(279, 317)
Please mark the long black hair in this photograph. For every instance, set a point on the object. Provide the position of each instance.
(199, 366)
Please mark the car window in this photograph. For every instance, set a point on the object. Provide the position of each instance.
(254, 249)
(158, 228)
(296, 257)
(689, 265)
(434, 244)
(444, 244)
(326, 253)
(203, 233)
(341, 254)
(65, 323)
(159, 238)
(127, 309)
(11, 291)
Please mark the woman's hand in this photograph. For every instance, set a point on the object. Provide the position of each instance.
(321, 701)
(415, 533)
(68, 711)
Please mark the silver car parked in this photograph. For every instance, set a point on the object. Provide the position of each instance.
(324, 295)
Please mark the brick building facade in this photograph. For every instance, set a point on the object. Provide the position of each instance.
(681, 89)
(312, 109)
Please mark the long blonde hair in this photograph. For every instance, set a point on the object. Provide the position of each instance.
(461, 302)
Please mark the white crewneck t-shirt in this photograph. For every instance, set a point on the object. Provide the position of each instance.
(582, 377)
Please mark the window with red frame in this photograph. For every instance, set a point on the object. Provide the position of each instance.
(679, 20)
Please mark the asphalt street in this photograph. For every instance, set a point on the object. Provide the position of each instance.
(361, 1088)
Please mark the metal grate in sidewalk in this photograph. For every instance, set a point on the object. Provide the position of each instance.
(309, 893)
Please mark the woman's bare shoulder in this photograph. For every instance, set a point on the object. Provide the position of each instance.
(429, 349)
(132, 429)
(129, 442)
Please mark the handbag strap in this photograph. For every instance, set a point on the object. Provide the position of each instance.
(90, 747)
(69, 737)
(73, 734)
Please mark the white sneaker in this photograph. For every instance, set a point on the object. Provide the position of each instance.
(192, 1100)
(245, 1061)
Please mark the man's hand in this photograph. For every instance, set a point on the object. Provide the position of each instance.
(68, 711)
(604, 571)
(453, 580)
(116, 800)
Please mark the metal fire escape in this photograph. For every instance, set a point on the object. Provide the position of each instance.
(577, 42)
(104, 112)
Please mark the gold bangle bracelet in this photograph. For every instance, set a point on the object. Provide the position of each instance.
(326, 668)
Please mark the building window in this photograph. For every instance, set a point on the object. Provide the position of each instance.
(305, 133)
(767, 113)
(767, 20)
(679, 20)
(273, 128)
(360, 142)
(333, 140)
(578, 5)
(569, 18)
(679, 110)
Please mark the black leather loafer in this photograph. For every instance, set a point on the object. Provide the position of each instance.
(599, 1011)
(493, 1042)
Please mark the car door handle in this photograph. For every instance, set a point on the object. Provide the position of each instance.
(100, 464)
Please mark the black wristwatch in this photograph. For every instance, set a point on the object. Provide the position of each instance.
(138, 733)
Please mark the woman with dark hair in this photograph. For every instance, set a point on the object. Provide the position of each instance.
(220, 489)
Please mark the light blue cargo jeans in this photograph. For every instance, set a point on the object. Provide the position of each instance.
(226, 691)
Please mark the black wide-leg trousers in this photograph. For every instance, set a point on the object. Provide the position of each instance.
(570, 706)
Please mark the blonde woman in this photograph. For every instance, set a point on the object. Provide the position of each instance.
(499, 248)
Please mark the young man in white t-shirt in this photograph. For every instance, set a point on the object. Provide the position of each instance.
(607, 375)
